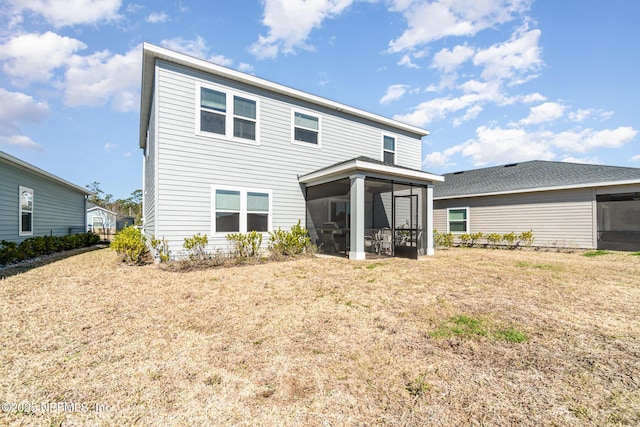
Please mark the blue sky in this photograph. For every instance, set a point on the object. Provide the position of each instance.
(495, 81)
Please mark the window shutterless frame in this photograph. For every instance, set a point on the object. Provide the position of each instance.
(25, 211)
(389, 149)
(458, 220)
(227, 114)
(306, 128)
(240, 210)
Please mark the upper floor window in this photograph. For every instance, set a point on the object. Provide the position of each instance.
(389, 149)
(26, 212)
(306, 128)
(458, 220)
(228, 114)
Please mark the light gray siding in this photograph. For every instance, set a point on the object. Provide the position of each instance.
(57, 209)
(563, 218)
(149, 186)
(189, 164)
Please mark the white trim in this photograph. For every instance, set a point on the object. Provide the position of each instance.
(30, 191)
(395, 147)
(294, 141)
(468, 220)
(540, 189)
(229, 114)
(243, 209)
(152, 52)
(346, 168)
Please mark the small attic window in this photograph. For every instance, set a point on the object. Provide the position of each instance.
(510, 165)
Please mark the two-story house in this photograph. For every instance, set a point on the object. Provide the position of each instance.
(228, 152)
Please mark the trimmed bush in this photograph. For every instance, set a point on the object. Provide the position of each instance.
(245, 245)
(131, 244)
(196, 246)
(32, 247)
(288, 243)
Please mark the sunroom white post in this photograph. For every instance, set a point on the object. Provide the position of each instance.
(429, 230)
(357, 217)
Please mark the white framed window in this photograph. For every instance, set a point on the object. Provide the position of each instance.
(228, 114)
(457, 220)
(306, 128)
(389, 149)
(25, 217)
(240, 210)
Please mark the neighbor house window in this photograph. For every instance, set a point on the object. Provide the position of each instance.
(306, 128)
(458, 220)
(26, 212)
(228, 114)
(241, 210)
(389, 150)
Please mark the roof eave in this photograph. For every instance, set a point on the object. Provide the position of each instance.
(152, 52)
(355, 166)
(541, 189)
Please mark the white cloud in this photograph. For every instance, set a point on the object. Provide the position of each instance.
(104, 77)
(636, 158)
(245, 68)
(514, 60)
(290, 22)
(588, 139)
(60, 13)
(470, 114)
(221, 60)
(441, 158)
(196, 47)
(20, 141)
(428, 21)
(108, 147)
(17, 108)
(580, 115)
(543, 113)
(157, 18)
(448, 60)
(587, 160)
(34, 57)
(533, 97)
(394, 93)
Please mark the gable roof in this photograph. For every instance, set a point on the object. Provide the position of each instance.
(43, 174)
(152, 52)
(535, 175)
(370, 166)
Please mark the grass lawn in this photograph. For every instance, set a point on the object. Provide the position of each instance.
(467, 337)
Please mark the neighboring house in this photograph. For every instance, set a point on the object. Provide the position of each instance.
(101, 221)
(36, 203)
(228, 152)
(565, 204)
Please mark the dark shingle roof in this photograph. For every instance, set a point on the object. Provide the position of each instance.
(529, 176)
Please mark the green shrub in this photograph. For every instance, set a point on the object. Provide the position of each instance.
(246, 245)
(526, 238)
(444, 240)
(43, 245)
(493, 239)
(465, 239)
(475, 238)
(162, 249)
(510, 239)
(130, 243)
(196, 246)
(288, 243)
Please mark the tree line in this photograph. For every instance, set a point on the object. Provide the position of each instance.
(131, 206)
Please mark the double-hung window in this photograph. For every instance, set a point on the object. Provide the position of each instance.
(228, 114)
(389, 149)
(26, 211)
(241, 210)
(458, 220)
(306, 128)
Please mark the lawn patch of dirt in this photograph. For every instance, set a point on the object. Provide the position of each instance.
(468, 337)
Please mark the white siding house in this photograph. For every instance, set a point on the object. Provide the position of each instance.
(229, 152)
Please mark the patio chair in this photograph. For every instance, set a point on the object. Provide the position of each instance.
(386, 241)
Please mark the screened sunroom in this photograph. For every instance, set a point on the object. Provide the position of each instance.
(363, 208)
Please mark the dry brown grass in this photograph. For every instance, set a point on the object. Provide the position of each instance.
(326, 342)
